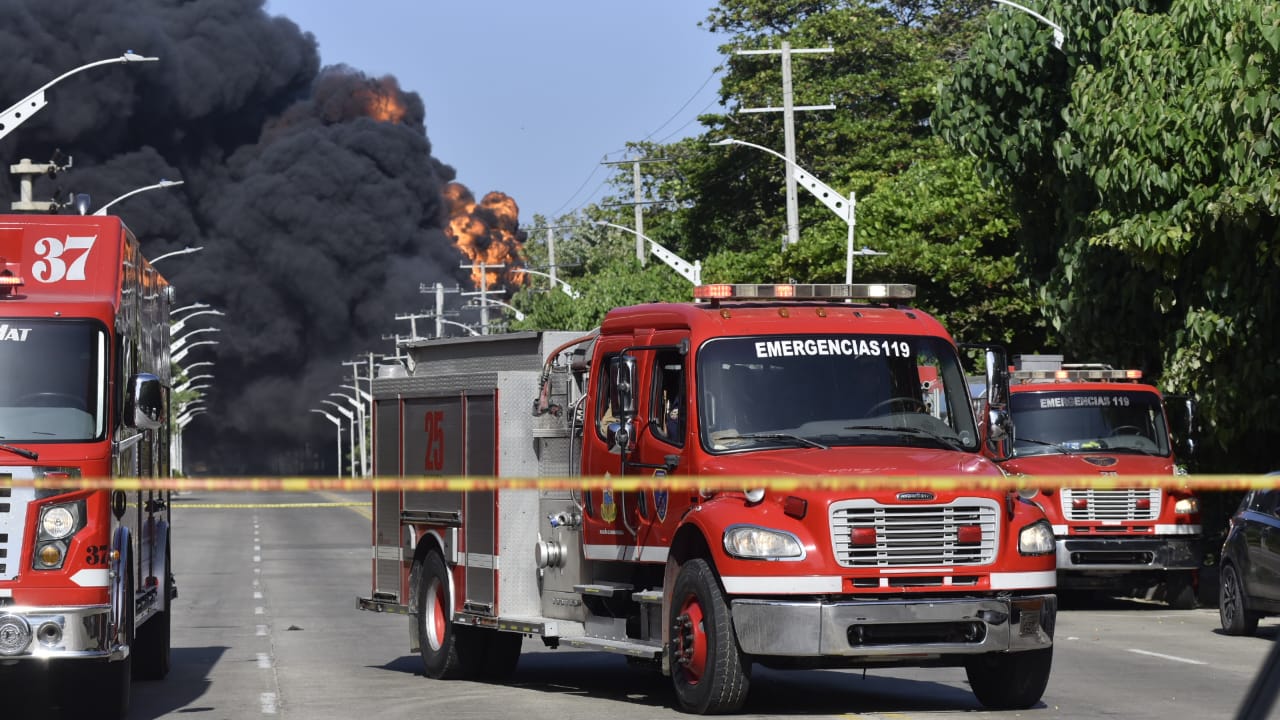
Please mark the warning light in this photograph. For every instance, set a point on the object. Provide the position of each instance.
(969, 535)
(862, 537)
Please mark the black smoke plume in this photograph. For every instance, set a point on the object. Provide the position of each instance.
(319, 212)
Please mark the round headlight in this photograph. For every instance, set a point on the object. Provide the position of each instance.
(1036, 539)
(57, 522)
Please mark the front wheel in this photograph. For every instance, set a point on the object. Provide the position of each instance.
(1009, 681)
(1180, 590)
(1233, 609)
(707, 668)
(449, 651)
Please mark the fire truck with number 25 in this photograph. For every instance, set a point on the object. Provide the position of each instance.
(705, 582)
(85, 581)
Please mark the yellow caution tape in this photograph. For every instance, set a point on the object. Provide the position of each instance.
(637, 482)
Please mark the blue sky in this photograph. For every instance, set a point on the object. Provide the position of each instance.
(528, 96)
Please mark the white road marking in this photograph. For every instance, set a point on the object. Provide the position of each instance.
(259, 611)
(264, 661)
(268, 703)
(1174, 658)
(257, 596)
(262, 631)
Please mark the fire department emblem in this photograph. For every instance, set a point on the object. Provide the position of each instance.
(608, 511)
(660, 499)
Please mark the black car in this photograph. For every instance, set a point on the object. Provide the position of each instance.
(1249, 578)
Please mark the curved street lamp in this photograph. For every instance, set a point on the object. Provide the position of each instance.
(566, 287)
(360, 419)
(468, 328)
(183, 251)
(162, 184)
(490, 301)
(1058, 35)
(692, 273)
(22, 110)
(847, 210)
(186, 384)
(179, 343)
(337, 423)
(176, 327)
(351, 418)
(177, 358)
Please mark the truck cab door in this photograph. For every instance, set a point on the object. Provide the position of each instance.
(665, 438)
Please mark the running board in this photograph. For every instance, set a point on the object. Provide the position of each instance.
(648, 651)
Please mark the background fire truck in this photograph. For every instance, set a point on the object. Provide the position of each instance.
(85, 581)
(1095, 420)
(755, 380)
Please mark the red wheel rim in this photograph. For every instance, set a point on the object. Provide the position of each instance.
(697, 665)
(437, 617)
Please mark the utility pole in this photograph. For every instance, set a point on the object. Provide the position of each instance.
(789, 108)
(484, 292)
(639, 202)
(552, 266)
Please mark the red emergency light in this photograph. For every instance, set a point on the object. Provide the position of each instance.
(1142, 503)
(10, 277)
(1080, 504)
(969, 535)
(863, 537)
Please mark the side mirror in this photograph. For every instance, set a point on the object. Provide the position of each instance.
(623, 379)
(1181, 411)
(621, 436)
(999, 423)
(145, 404)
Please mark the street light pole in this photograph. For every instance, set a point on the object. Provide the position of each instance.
(360, 421)
(162, 184)
(691, 272)
(566, 287)
(176, 326)
(177, 358)
(351, 418)
(847, 210)
(337, 423)
(183, 251)
(1058, 35)
(22, 110)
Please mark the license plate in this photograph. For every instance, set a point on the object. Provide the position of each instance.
(1029, 622)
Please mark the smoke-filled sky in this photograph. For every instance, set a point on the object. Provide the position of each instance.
(528, 96)
(314, 192)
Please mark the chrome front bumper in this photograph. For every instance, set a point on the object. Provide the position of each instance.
(892, 629)
(57, 632)
(1127, 554)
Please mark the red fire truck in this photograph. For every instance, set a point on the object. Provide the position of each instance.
(752, 380)
(85, 582)
(1092, 419)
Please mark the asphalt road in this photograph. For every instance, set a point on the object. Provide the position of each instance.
(266, 625)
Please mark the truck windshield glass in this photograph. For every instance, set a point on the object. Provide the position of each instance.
(820, 391)
(1112, 420)
(52, 380)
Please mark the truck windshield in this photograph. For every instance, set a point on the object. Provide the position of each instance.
(1125, 421)
(821, 391)
(52, 380)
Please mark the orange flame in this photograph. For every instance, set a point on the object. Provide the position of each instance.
(382, 100)
(486, 233)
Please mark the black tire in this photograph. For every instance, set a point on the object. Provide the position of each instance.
(1180, 590)
(449, 651)
(708, 670)
(1009, 681)
(1233, 604)
(153, 641)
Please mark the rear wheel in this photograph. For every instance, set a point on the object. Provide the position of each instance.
(1009, 681)
(1233, 607)
(707, 668)
(449, 651)
(501, 653)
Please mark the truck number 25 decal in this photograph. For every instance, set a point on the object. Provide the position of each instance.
(51, 267)
(434, 427)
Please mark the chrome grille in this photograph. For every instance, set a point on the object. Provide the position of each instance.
(13, 519)
(1110, 505)
(915, 535)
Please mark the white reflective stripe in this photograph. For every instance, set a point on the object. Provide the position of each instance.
(387, 552)
(480, 560)
(6, 593)
(916, 571)
(1059, 529)
(1177, 529)
(92, 578)
(642, 553)
(780, 585)
(1021, 580)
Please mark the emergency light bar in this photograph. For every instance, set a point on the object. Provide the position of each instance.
(1076, 374)
(804, 291)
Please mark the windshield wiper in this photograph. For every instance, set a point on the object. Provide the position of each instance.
(28, 454)
(1060, 448)
(793, 439)
(953, 443)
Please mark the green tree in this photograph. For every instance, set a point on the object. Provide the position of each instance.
(1141, 162)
